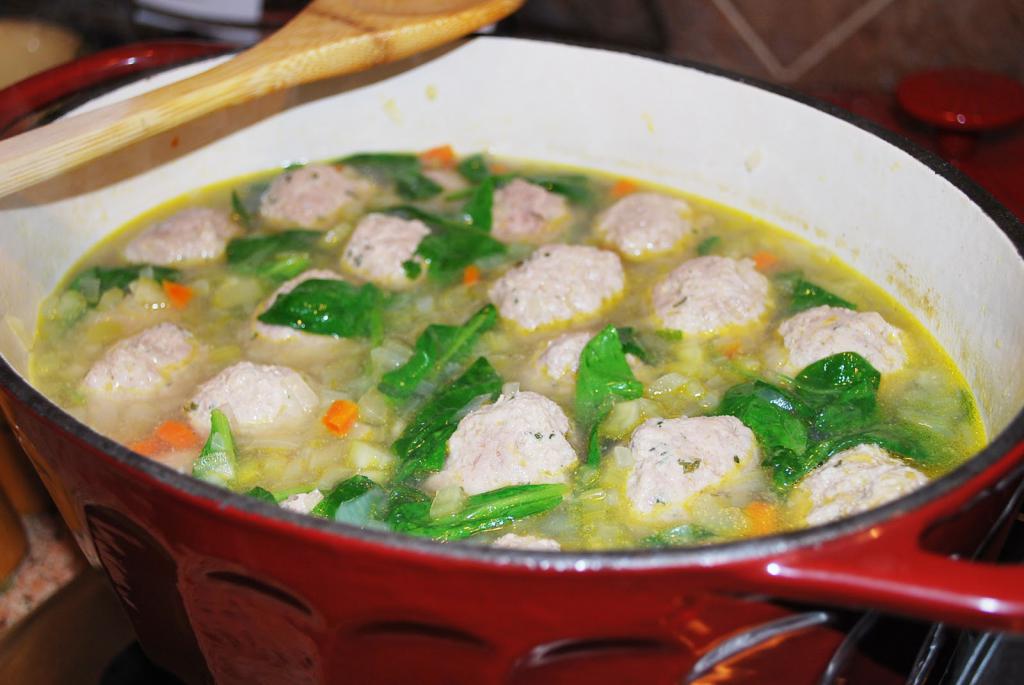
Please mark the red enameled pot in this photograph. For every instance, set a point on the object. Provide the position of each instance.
(223, 588)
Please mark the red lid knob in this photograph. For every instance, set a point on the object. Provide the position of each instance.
(962, 99)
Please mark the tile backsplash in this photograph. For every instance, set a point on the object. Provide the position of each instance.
(810, 44)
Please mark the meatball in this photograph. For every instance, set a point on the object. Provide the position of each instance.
(527, 213)
(256, 399)
(823, 331)
(302, 502)
(313, 196)
(644, 225)
(708, 294)
(674, 459)
(517, 440)
(855, 480)
(286, 333)
(380, 245)
(513, 541)
(144, 364)
(562, 355)
(191, 236)
(558, 283)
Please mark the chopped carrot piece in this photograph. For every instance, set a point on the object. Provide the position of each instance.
(341, 416)
(623, 187)
(442, 155)
(178, 294)
(149, 447)
(731, 350)
(471, 276)
(764, 260)
(762, 517)
(177, 434)
(499, 168)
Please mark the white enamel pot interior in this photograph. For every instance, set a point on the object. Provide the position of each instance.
(917, 228)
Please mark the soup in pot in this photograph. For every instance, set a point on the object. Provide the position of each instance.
(504, 352)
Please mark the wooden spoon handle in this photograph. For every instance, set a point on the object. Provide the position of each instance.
(328, 38)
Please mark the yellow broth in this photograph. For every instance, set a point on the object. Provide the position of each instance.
(689, 380)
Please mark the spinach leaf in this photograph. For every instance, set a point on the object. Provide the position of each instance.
(286, 265)
(739, 395)
(404, 170)
(477, 212)
(843, 389)
(482, 512)
(278, 256)
(602, 378)
(708, 245)
(386, 165)
(344, 491)
(402, 505)
(807, 295)
(262, 494)
(474, 168)
(841, 376)
(650, 347)
(363, 511)
(218, 459)
(329, 307)
(574, 187)
(669, 334)
(436, 348)
(424, 442)
(770, 413)
(449, 252)
(804, 295)
(786, 467)
(452, 245)
(898, 438)
(412, 269)
(417, 186)
(631, 343)
(96, 280)
(778, 420)
(240, 210)
(683, 535)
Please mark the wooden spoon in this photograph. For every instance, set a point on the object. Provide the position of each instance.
(327, 38)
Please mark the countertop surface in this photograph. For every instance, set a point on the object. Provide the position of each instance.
(53, 560)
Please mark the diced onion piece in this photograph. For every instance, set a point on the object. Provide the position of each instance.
(237, 291)
(365, 455)
(690, 355)
(148, 293)
(622, 456)
(670, 382)
(447, 501)
(374, 407)
(389, 355)
(70, 306)
(625, 416)
(110, 299)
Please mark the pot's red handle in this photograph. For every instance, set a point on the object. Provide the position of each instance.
(25, 97)
(892, 566)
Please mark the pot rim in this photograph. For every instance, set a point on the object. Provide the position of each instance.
(216, 498)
